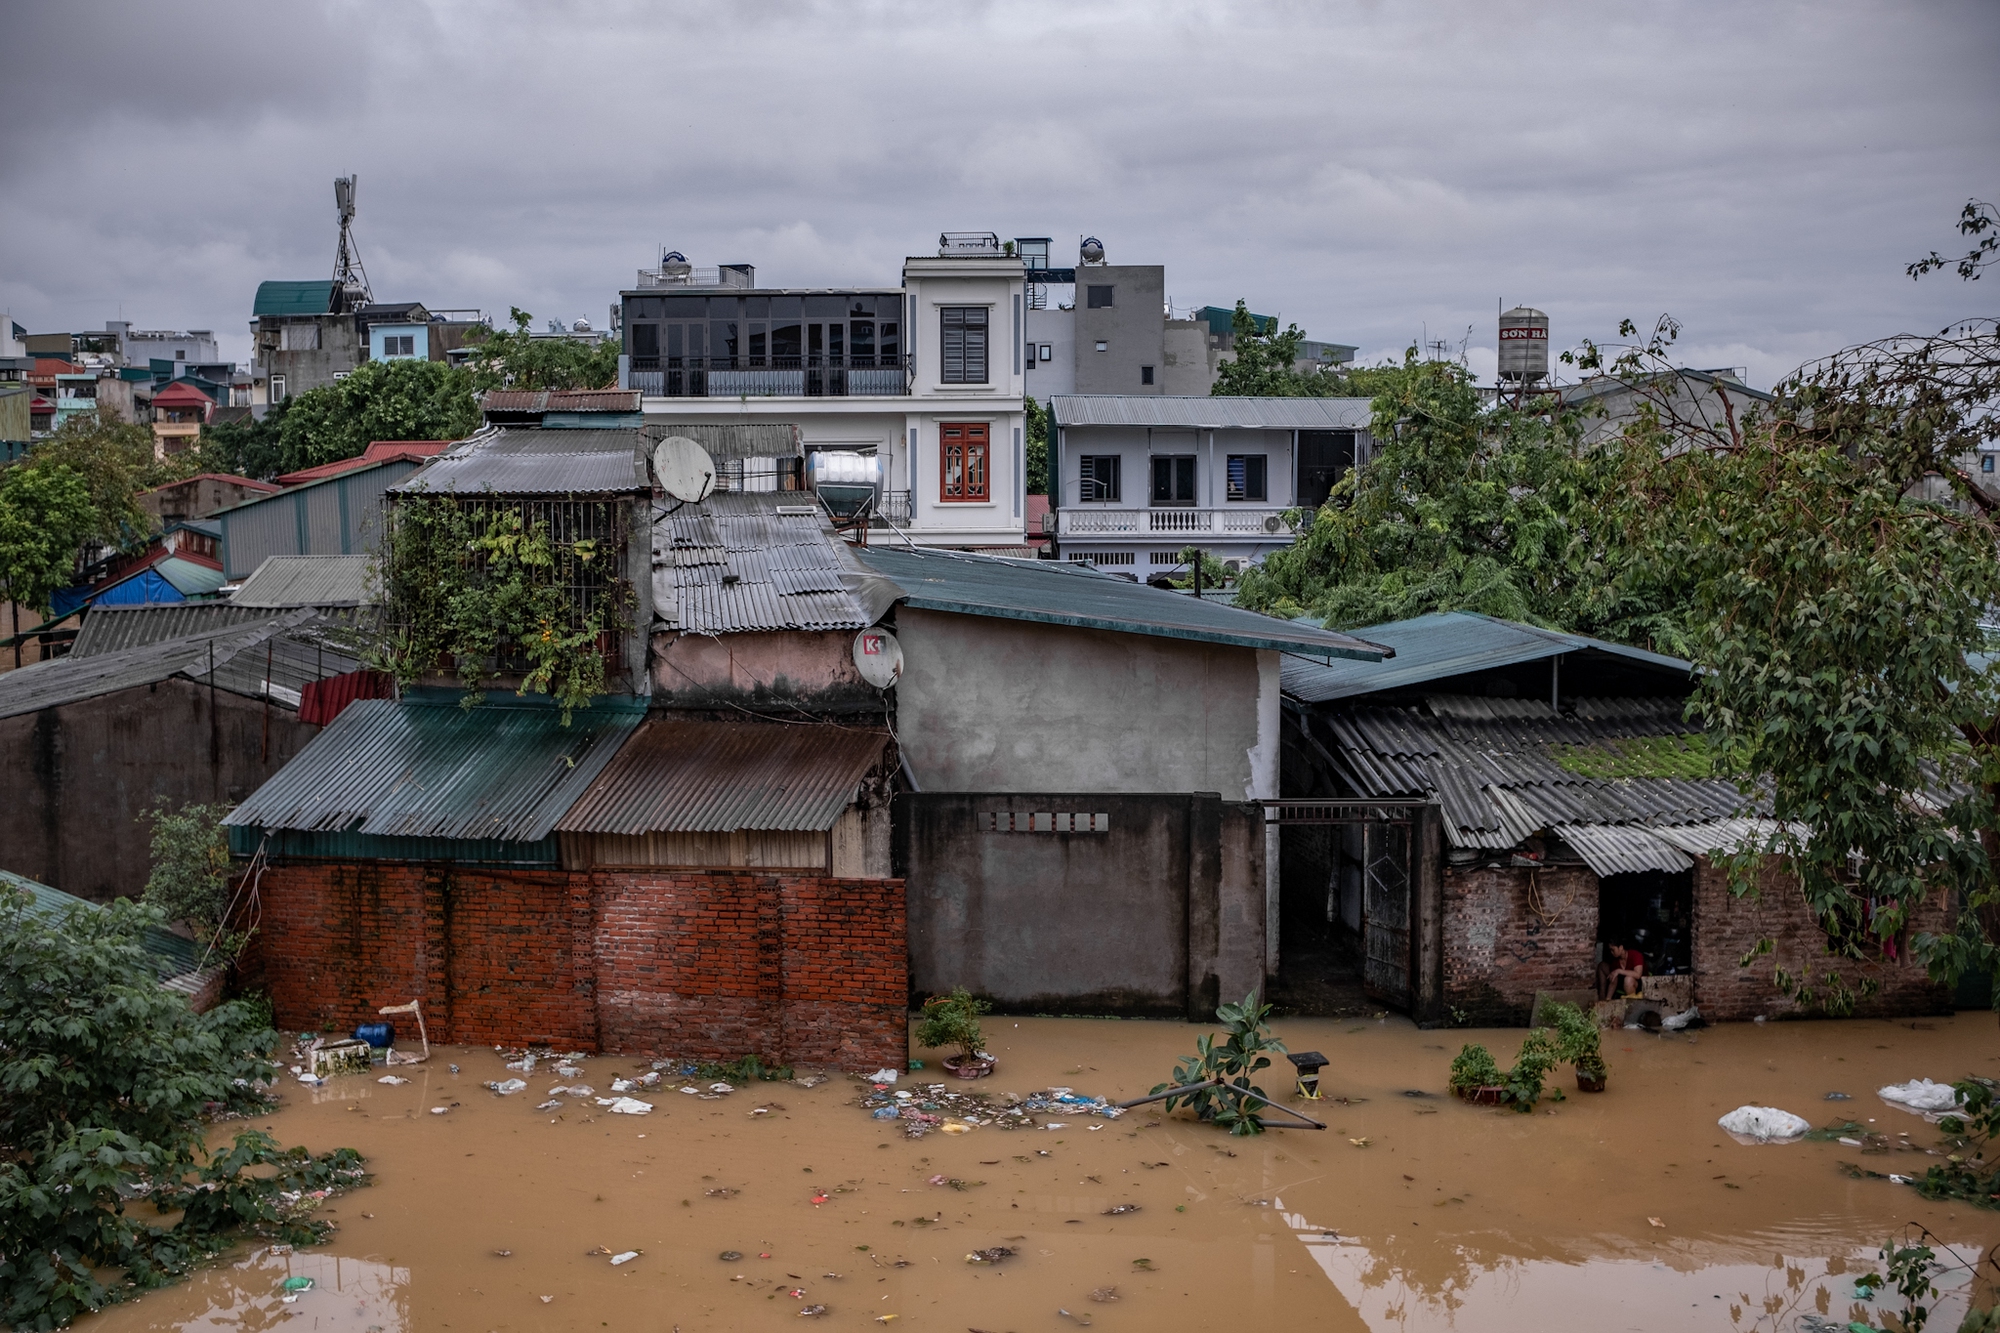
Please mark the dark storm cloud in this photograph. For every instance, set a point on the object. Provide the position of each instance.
(1372, 171)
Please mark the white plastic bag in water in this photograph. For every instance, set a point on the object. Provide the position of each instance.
(1765, 1124)
(1920, 1095)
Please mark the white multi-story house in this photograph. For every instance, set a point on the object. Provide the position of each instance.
(927, 377)
(1136, 480)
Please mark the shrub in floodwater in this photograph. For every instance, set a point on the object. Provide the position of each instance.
(745, 1070)
(1473, 1067)
(1578, 1040)
(108, 1085)
(1248, 1048)
(953, 1020)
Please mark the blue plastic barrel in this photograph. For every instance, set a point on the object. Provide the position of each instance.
(378, 1035)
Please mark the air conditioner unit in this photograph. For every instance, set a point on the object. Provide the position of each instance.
(1274, 523)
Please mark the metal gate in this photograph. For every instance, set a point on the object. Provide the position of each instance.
(1372, 849)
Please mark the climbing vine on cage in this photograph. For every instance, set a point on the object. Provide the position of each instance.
(488, 588)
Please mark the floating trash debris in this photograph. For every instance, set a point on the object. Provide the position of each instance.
(509, 1088)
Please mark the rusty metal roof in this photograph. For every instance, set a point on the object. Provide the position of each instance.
(734, 563)
(109, 629)
(750, 439)
(504, 770)
(718, 777)
(1504, 770)
(291, 647)
(529, 461)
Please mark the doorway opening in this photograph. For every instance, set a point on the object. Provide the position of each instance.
(1650, 913)
(1344, 907)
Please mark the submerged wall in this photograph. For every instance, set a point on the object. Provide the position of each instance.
(1511, 931)
(1084, 903)
(793, 968)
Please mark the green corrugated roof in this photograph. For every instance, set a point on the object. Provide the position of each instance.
(426, 768)
(1067, 594)
(1444, 644)
(189, 578)
(294, 298)
(173, 955)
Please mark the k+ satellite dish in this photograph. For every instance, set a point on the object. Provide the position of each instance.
(878, 657)
(684, 469)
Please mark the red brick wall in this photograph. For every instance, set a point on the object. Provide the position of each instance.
(794, 968)
(1727, 927)
(1498, 950)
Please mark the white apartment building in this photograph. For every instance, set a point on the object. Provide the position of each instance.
(927, 377)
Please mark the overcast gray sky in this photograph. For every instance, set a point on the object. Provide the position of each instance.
(1370, 171)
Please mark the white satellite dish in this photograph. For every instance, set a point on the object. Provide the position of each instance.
(684, 469)
(878, 657)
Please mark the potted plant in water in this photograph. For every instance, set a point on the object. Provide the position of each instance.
(1577, 1044)
(953, 1020)
(1477, 1078)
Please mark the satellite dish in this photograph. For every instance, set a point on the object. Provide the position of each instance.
(878, 657)
(684, 469)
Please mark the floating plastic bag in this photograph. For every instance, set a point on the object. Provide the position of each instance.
(509, 1088)
(1920, 1095)
(883, 1076)
(625, 1105)
(1764, 1124)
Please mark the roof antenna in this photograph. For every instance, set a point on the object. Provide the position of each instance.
(349, 277)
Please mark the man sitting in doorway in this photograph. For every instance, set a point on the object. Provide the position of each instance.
(1621, 973)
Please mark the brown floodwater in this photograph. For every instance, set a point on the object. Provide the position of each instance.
(1406, 1213)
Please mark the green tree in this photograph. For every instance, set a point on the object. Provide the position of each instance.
(190, 879)
(1978, 219)
(1265, 362)
(516, 359)
(1037, 449)
(1470, 508)
(249, 448)
(108, 1085)
(383, 400)
(1839, 567)
(45, 515)
(116, 462)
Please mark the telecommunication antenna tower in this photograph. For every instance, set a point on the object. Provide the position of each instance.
(349, 277)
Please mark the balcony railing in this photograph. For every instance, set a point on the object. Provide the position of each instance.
(1235, 521)
(894, 506)
(771, 376)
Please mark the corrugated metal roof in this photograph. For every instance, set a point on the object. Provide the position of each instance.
(1056, 593)
(237, 652)
(294, 298)
(308, 580)
(108, 629)
(730, 443)
(560, 400)
(517, 461)
(1493, 766)
(1444, 644)
(1112, 409)
(718, 777)
(733, 563)
(172, 954)
(392, 768)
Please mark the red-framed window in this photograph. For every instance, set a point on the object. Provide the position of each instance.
(965, 462)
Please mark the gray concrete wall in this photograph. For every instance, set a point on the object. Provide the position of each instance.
(83, 776)
(1012, 705)
(1160, 913)
(1132, 329)
(339, 352)
(1189, 367)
